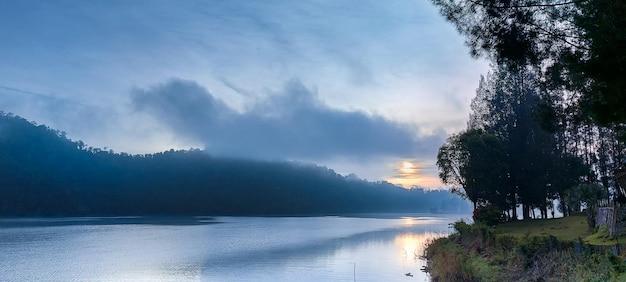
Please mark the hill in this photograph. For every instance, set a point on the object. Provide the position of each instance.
(43, 173)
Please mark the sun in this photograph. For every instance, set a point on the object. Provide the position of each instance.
(407, 174)
(410, 173)
(408, 167)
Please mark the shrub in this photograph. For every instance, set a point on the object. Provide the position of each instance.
(475, 253)
(448, 262)
(489, 215)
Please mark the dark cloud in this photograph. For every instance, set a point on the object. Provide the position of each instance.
(291, 124)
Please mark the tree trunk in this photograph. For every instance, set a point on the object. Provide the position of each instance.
(514, 216)
(525, 212)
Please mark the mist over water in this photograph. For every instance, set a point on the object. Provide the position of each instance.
(374, 248)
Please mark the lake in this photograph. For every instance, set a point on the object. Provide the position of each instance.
(362, 248)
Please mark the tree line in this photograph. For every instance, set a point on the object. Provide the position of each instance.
(513, 153)
(547, 122)
(43, 173)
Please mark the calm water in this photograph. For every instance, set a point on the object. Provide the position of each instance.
(375, 248)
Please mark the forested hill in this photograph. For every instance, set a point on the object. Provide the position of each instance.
(43, 173)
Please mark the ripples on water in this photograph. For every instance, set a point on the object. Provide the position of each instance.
(373, 248)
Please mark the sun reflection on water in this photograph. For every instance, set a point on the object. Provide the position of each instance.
(412, 221)
(411, 246)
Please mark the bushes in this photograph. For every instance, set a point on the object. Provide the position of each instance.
(475, 253)
(489, 215)
(448, 262)
(458, 257)
(475, 237)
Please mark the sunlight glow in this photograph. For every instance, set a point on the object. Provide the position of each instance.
(412, 221)
(411, 246)
(410, 173)
(408, 167)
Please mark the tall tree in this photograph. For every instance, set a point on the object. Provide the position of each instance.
(577, 44)
(507, 105)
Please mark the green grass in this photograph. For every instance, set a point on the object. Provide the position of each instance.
(522, 251)
(566, 229)
(602, 238)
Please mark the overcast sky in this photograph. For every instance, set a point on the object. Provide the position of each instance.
(365, 87)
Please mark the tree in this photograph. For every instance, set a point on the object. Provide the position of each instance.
(473, 163)
(576, 44)
(508, 105)
(43, 173)
(585, 195)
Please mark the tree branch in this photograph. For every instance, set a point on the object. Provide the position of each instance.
(527, 5)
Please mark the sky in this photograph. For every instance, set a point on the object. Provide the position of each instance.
(366, 87)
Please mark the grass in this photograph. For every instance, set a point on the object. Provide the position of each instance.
(530, 250)
(566, 229)
(602, 238)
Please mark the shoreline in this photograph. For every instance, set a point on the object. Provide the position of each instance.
(475, 252)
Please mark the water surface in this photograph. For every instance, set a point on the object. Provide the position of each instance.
(364, 248)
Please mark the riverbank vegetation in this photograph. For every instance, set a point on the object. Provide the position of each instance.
(546, 135)
(547, 124)
(568, 229)
(533, 250)
(511, 155)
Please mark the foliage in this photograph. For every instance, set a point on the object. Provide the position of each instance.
(449, 259)
(473, 161)
(507, 104)
(44, 173)
(476, 237)
(506, 157)
(489, 215)
(456, 266)
(576, 44)
(589, 194)
(466, 256)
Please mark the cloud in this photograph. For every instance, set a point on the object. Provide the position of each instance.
(398, 59)
(289, 124)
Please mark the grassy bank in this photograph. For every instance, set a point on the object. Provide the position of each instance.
(537, 250)
(571, 228)
(567, 229)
